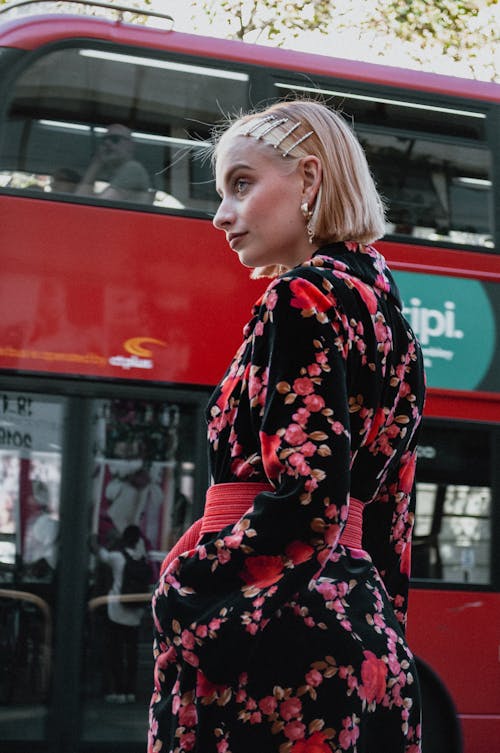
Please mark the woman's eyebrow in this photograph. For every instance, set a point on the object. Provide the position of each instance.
(232, 170)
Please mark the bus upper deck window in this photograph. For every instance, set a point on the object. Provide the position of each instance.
(107, 125)
(429, 159)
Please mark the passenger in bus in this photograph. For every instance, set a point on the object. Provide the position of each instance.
(114, 164)
(280, 615)
(123, 620)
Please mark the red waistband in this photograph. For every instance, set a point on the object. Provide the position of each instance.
(227, 503)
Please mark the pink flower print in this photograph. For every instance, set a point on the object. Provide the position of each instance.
(314, 370)
(259, 328)
(268, 704)
(188, 715)
(303, 386)
(314, 678)
(373, 676)
(314, 403)
(190, 658)
(298, 462)
(328, 590)
(337, 427)
(308, 449)
(222, 746)
(271, 299)
(349, 734)
(187, 639)
(188, 741)
(301, 416)
(290, 708)
(294, 730)
(295, 435)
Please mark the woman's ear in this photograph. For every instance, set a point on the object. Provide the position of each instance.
(312, 174)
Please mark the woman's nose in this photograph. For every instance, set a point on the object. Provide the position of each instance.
(223, 216)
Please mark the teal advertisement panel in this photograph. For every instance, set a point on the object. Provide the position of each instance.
(457, 322)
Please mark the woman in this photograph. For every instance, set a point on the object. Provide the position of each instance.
(282, 629)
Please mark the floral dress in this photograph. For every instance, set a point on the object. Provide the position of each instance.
(271, 636)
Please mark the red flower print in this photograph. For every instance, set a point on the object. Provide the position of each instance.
(295, 435)
(314, 403)
(303, 386)
(307, 296)
(377, 422)
(407, 473)
(204, 687)
(262, 571)
(299, 552)
(270, 444)
(188, 741)
(290, 708)
(373, 676)
(314, 744)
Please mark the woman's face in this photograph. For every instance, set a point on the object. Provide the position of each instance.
(261, 194)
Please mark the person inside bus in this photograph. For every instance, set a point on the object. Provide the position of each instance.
(114, 164)
(123, 620)
(280, 616)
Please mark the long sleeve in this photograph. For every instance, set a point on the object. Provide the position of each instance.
(295, 393)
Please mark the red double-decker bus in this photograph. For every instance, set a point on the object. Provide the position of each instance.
(114, 292)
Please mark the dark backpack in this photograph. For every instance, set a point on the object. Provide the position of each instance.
(137, 576)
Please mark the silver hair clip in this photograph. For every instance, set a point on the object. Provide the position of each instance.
(288, 133)
(270, 127)
(290, 148)
(258, 123)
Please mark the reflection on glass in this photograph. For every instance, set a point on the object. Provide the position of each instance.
(30, 479)
(142, 502)
(452, 533)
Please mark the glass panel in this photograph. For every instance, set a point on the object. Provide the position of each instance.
(117, 127)
(429, 161)
(143, 500)
(30, 479)
(452, 540)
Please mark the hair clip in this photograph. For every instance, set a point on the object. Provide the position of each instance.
(269, 128)
(257, 124)
(288, 133)
(306, 136)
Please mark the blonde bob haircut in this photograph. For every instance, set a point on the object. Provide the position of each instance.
(348, 206)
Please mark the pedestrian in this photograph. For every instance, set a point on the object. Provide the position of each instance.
(280, 617)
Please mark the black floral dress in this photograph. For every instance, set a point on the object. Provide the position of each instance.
(271, 636)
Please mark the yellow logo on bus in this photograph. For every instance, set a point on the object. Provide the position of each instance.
(135, 346)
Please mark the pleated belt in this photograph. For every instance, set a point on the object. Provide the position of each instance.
(226, 503)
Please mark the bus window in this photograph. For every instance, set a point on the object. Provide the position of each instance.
(114, 126)
(452, 538)
(147, 488)
(429, 161)
(30, 480)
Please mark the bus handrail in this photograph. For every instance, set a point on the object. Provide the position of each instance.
(46, 648)
(96, 3)
(137, 598)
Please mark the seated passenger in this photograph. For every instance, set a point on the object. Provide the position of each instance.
(113, 163)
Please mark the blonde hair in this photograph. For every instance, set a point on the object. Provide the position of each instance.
(348, 206)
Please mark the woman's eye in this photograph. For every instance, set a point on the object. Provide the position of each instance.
(240, 185)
